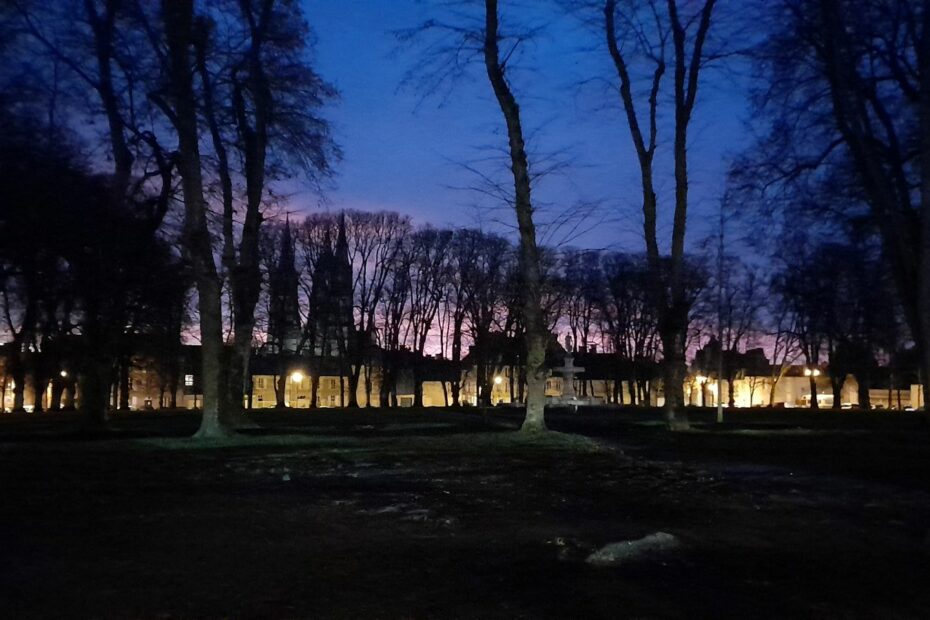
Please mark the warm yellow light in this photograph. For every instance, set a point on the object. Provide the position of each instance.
(297, 376)
(701, 379)
(63, 373)
(811, 373)
(498, 380)
(816, 372)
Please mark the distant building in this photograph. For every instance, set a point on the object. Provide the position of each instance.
(283, 307)
(331, 321)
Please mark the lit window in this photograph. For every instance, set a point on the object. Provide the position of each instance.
(332, 384)
(188, 380)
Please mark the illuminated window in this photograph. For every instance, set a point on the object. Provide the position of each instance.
(332, 384)
(188, 380)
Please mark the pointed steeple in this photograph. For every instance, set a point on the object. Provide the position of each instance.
(284, 314)
(327, 248)
(287, 247)
(342, 246)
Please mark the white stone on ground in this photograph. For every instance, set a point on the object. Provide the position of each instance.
(618, 553)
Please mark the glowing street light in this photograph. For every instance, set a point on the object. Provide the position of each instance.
(64, 374)
(498, 380)
(811, 372)
(297, 376)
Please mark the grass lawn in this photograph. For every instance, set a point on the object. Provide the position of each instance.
(435, 514)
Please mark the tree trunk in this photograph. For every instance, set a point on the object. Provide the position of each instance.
(58, 386)
(19, 384)
(731, 393)
(923, 297)
(529, 254)
(368, 385)
(314, 389)
(674, 371)
(813, 384)
(198, 248)
(417, 389)
(456, 386)
(355, 371)
(837, 385)
(94, 381)
(123, 384)
(68, 396)
(238, 375)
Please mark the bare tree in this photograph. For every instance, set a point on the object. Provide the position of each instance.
(731, 308)
(455, 44)
(784, 348)
(375, 239)
(659, 33)
(847, 90)
(89, 62)
(429, 270)
(260, 97)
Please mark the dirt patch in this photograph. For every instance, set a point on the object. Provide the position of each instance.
(466, 523)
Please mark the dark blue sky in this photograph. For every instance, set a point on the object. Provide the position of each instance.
(405, 154)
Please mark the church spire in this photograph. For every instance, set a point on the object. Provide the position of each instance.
(342, 246)
(284, 313)
(286, 262)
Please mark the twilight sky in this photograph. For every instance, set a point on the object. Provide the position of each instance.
(406, 154)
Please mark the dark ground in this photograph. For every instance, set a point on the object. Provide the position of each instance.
(438, 514)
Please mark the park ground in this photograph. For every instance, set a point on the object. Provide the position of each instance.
(418, 514)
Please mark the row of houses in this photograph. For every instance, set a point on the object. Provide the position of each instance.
(605, 380)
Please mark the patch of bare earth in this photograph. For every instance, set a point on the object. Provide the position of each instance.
(452, 525)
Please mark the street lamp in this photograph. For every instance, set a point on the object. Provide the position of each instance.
(296, 378)
(64, 374)
(498, 380)
(811, 372)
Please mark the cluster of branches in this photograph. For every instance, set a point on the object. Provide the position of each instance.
(189, 103)
(424, 297)
(844, 94)
(80, 273)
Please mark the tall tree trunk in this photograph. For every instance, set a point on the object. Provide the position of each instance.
(68, 397)
(355, 372)
(314, 389)
(529, 253)
(813, 385)
(198, 248)
(837, 385)
(39, 385)
(368, 384)
(19, 385)
(417, 385)
(58, 386)
(94, 380)
(123, 383)
(279, 390)
(674, 370)
(456, 386)
(731, 393)
(923, 297)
